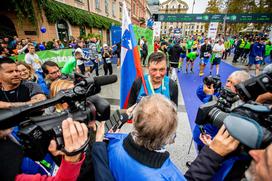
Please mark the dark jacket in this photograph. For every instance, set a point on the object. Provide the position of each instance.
(136, 86)
(205, 48)
(174, 53)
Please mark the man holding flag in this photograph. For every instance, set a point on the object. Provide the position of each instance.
(155, 82)
(133, 84)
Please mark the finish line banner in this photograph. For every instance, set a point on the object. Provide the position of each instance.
(205, 18)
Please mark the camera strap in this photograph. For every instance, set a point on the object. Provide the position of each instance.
(77, 151)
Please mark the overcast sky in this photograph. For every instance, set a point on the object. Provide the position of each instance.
(200, 5)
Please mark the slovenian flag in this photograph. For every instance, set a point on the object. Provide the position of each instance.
(130, 59)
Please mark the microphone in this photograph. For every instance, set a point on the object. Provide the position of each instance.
(105, 80)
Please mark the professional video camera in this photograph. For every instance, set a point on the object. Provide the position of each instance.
(35, 133)
(215, 80)
(248, 122)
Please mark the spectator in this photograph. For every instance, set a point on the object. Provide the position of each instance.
(94, 55)
(32, 58)
(106, 56)
(144, 52)
(52, 72)
(15, 92)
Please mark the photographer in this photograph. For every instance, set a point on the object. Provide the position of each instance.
(206, 96)
(74, 134)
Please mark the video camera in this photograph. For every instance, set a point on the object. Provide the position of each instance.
(215, 80)
(245, 120)
(36, 132)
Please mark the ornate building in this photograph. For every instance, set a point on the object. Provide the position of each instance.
(178, 28)
(173, 7)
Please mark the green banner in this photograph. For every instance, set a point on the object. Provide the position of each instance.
(205, 18)
(58, 56)
(148, 35)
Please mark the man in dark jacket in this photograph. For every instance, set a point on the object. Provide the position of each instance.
(174, 54)
(205, 54)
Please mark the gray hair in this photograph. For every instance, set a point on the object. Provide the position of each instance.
(155, 122)
(240, 76)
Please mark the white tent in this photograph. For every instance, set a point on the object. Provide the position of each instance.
(249, 29)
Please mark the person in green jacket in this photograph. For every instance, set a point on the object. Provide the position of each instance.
(246, 51)
(69, 67)
(190, 60)
(268, 52)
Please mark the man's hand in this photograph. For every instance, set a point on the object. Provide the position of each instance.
(100, 131)
(75, 134)
(223, 143)
(207, 90)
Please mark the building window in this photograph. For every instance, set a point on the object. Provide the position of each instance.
(197, 27)
(120, 10)
(82, 31)
(113, 9)
(97, 4)
(63, 30)
(79, 1)
(173, 7)
(133, 8)
(107, 6)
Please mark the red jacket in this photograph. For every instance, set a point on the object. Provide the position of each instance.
(67, 171)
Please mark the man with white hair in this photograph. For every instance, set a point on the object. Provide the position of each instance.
(141, 155)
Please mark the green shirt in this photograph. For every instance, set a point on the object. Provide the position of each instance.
(268, 49)
(192, 55)
(69, 66)
(190, 44)
(231, 41)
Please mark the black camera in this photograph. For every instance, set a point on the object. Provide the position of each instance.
(247, 121)
(215, 80)
(36, 132)
(252, 88)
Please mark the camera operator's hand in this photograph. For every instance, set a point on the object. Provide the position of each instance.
(4, 133)
(207, 90)
(75, 134)
(223, 143)
(205, 138)
(100, 132)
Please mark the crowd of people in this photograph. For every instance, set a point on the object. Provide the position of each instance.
(152, 106)
(247, 49)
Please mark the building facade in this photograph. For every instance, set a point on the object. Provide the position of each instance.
(65, 28)
(138, 12)
(173, 7)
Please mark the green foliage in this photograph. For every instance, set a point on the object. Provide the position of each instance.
(24, 9)
(55, 11)
(213, 6)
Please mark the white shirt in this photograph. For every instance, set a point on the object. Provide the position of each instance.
(219, 49)
(33, 60)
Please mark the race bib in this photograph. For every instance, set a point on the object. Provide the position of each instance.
(206, 54)
(108, 60)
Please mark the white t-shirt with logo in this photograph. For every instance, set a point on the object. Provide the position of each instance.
(33, 60)
(219, 49)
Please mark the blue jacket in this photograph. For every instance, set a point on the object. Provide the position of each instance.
(210, 129)
(124, 167)
(258, 49)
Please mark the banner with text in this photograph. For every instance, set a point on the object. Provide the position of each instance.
(212, 31)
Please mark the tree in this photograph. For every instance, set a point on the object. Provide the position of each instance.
(213, 7)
